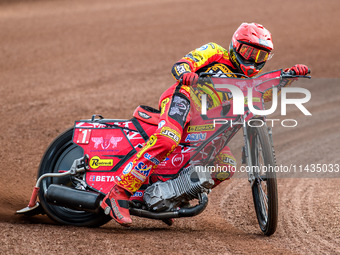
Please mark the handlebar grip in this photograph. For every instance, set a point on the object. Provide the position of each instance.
(292, 72)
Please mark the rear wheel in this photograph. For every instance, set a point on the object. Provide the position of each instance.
(60, 156)
(265, 185)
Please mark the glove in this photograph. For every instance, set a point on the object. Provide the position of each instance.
(189, 78)
(300, 69)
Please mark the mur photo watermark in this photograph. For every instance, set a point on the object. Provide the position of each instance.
(244, 106)
(239, 99)
(305, 170)
(257, 122)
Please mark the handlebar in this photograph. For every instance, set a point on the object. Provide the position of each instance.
(289, 74)
(292, 74)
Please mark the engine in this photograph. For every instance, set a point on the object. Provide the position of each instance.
(163, 196)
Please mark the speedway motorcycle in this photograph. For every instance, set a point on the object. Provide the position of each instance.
(80, 165)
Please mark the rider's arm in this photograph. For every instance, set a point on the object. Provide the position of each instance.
(298, 69)
(198, 58)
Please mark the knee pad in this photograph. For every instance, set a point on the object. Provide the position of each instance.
(224, 166)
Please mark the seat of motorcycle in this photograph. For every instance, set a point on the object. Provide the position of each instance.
(147, 114)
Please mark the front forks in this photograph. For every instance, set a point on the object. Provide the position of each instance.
(246, 157)
(246, 153)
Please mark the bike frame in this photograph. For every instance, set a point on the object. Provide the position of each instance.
(259, 86)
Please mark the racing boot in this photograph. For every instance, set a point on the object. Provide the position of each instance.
(116, 204)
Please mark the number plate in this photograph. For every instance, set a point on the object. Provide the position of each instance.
(84, 136)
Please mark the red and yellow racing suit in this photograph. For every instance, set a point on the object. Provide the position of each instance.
(175, 116)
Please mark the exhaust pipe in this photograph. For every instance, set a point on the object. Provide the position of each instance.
(80, 200)
(183, 212)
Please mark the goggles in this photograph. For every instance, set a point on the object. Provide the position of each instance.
(253, 54)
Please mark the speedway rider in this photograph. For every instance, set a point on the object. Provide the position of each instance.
(250, 48)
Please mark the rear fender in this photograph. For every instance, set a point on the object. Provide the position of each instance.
(109, 145)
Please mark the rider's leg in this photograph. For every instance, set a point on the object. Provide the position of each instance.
(162, 143)
(134, 174)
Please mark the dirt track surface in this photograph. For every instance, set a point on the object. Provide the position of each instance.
(62, 61)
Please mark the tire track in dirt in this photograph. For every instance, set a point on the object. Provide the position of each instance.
(302, 233)
(298, 228)
(311, 207)
(294, 225)
(315, 214)
(238, 208)
(304, 226)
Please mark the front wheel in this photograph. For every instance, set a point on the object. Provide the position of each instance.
(264, 189)
(60, 156)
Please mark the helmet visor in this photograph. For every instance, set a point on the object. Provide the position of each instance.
(253, 54)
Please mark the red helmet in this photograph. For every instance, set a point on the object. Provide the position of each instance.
(250, 48)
